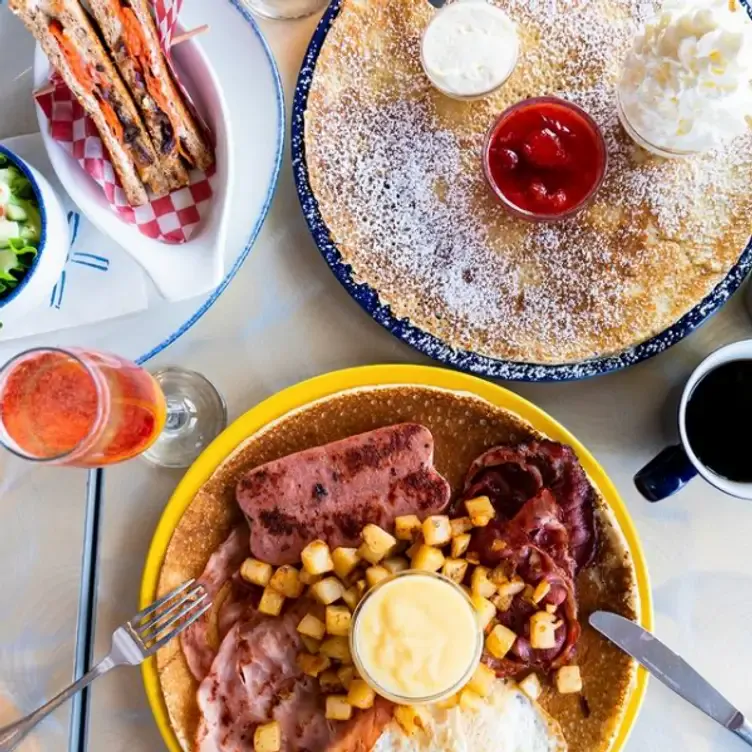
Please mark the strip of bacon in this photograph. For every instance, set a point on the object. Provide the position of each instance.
(512, 475)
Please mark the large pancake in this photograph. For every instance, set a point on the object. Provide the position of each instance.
(463, 427)
(395, 168)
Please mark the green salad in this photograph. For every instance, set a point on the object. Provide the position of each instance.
(20, 225)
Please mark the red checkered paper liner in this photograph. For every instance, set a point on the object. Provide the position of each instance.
(171, 219)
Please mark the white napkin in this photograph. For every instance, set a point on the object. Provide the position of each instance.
(100, 280)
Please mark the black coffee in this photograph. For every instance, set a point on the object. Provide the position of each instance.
(719, 421)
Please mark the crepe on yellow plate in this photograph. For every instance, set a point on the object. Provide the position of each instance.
(466, 416)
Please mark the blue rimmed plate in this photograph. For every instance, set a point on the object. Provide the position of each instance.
(427, 343)
(255, 108)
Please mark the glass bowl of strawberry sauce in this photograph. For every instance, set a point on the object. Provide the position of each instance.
(545, 159)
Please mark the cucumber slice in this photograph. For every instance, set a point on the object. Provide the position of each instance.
(8, 231)
(16, 213)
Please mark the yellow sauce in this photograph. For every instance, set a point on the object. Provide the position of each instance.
(416, 637)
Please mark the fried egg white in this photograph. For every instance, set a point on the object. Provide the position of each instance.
(508, 721)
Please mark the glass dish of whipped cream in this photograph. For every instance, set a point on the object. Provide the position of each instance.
(469, 49)
(686, 85)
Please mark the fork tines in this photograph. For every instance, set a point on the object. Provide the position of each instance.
(165, 619)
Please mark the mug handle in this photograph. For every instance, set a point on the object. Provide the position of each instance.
(666, 474)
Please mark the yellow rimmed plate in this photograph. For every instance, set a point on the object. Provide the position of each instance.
(307, 392)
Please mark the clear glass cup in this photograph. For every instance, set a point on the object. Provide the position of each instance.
(636, 136)
(84, 408)
(601, 157)
(284, 10)
(367, 675)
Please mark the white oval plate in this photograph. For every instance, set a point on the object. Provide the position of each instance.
(255, 108)
(178, 271)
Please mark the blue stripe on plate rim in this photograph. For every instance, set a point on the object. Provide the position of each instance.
(430, 345)
(279, 91)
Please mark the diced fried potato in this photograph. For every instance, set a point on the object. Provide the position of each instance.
(256, 572)
(527, 594)
(551, 608)
(436, 530)
(531, 686)
(307, 578)
(450, 702)
(338, 708)
(374, 575)
(542, 631)
(454, 569)
(286, 580)
(271, 602)
(460, 526)
(338, 620)
(407, 527)
(500, 641)
(395, 564)
(311, 645)
(568, 680)
(480, 511)
(498, 576)
(513, 587)
(486, 610)
(460, 544)
(316, 558)
(346, 674)
(330, 682)
(267, 737)
(482, 680)
(502, 602)
(313, 665)
(470, 700)
(377, 544)
(472, 557)
(353, 594)
(360, 695)
(480, 584)
(312, 626)
(428, 559)
(345, 560)
(328, 590)
(336, 648)
(542, 589)
(412, 550)
(411, 718)
(498, 545)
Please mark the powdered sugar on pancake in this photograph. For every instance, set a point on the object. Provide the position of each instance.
(395, 167)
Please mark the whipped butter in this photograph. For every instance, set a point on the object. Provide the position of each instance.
(470, 48)
(686, 84)
(416, 638)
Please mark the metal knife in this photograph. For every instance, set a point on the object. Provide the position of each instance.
(672, 670)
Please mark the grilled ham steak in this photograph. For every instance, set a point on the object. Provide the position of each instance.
(332, 492)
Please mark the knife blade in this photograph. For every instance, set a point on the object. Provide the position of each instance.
(672, 670)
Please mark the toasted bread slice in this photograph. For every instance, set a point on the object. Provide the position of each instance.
(68, 38)
(131, 35)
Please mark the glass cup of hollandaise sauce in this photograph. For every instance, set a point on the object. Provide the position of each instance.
(416, 638)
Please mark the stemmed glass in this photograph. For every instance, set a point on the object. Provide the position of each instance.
(85, 408)
(285, 9)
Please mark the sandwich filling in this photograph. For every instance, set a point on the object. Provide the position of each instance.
(148, 86)
(95, 82)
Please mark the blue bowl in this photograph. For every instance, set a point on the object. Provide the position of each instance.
(432, 346)
(17, 162)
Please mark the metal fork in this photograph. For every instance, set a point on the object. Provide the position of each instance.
(134, 642)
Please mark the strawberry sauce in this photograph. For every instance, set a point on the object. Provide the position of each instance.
(545, 158)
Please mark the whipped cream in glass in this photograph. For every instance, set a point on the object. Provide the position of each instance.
(469, 49)
(686, 85)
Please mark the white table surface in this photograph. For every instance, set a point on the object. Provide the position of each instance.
(283, 319)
